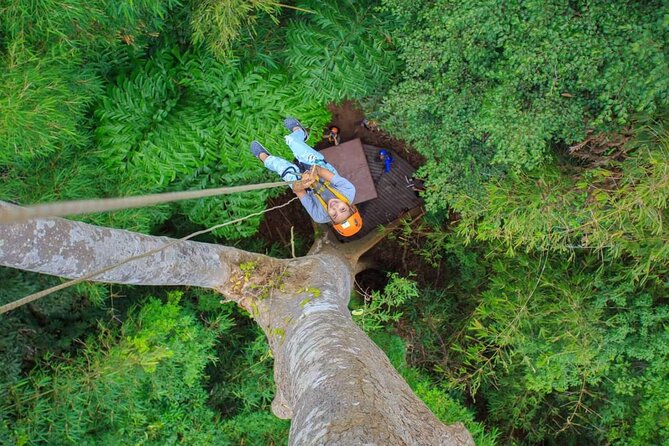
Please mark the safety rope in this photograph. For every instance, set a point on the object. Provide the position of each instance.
(35, 296)
(76, 207)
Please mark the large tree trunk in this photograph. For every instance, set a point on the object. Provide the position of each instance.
(334, 383)
(72, 249)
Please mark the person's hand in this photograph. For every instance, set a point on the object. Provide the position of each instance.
(298, 186)
(309, 178)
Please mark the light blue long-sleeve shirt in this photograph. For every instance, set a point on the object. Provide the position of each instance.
(314, 207)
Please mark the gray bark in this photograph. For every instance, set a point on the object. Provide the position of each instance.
(73, 249)
(334, 383)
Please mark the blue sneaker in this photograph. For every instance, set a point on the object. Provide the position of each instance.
(291, 123)
(257, 149)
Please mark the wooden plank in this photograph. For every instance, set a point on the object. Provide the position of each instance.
(351, 163)
(394, 197)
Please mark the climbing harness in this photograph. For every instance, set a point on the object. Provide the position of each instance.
(353, 223)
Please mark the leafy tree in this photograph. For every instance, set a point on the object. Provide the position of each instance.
(489, 88)
(142, 385)
(619, 209)
(559, 326)
(219, 24)
(572, 315)
(557, 354)
(300, 304)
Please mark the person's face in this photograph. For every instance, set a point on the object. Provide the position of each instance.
(338, 210)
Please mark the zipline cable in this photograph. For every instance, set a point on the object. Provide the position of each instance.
(76, 207)
(35, 296)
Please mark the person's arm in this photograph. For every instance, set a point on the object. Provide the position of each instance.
(344, 186)
(324, 173)
(314, 208)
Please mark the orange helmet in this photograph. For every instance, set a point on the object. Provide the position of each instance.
(351, 225)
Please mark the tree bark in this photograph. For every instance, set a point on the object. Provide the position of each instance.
(334, 383)
(73, 249)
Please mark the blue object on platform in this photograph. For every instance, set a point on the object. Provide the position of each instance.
(386, 158)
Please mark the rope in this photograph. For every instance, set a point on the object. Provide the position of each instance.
(35, 296)
(76, 207)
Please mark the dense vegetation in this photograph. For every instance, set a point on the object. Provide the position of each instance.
(544, 129)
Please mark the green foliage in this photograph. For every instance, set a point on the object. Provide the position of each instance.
(448, 409)
(51, 56)
(141, 120)
(650, 423)
(53, 61)
(243, 388)
(259, 428)
(142, 385)
(619, 210)
(47, 325)
(254, 386)
(557, 300)
(567, 350)
(218, 24)
(92, 28)
(379, 309)
(43, 101)
(488, 88)
(339, 50)
(440, 401)
(568, 338)
(567, 341)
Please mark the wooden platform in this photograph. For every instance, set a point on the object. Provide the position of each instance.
(393, 198)
(351, 163)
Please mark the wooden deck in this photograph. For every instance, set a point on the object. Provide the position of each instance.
(394, 195)
(351, 162)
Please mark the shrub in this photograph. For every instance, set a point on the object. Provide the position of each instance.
(142, 385)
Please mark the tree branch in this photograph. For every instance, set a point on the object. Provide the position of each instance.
(354, 250)
(73, 249)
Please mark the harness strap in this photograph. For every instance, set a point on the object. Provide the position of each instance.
(290, 169)
(335, 192)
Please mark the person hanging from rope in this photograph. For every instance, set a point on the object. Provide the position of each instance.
(327, 197)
